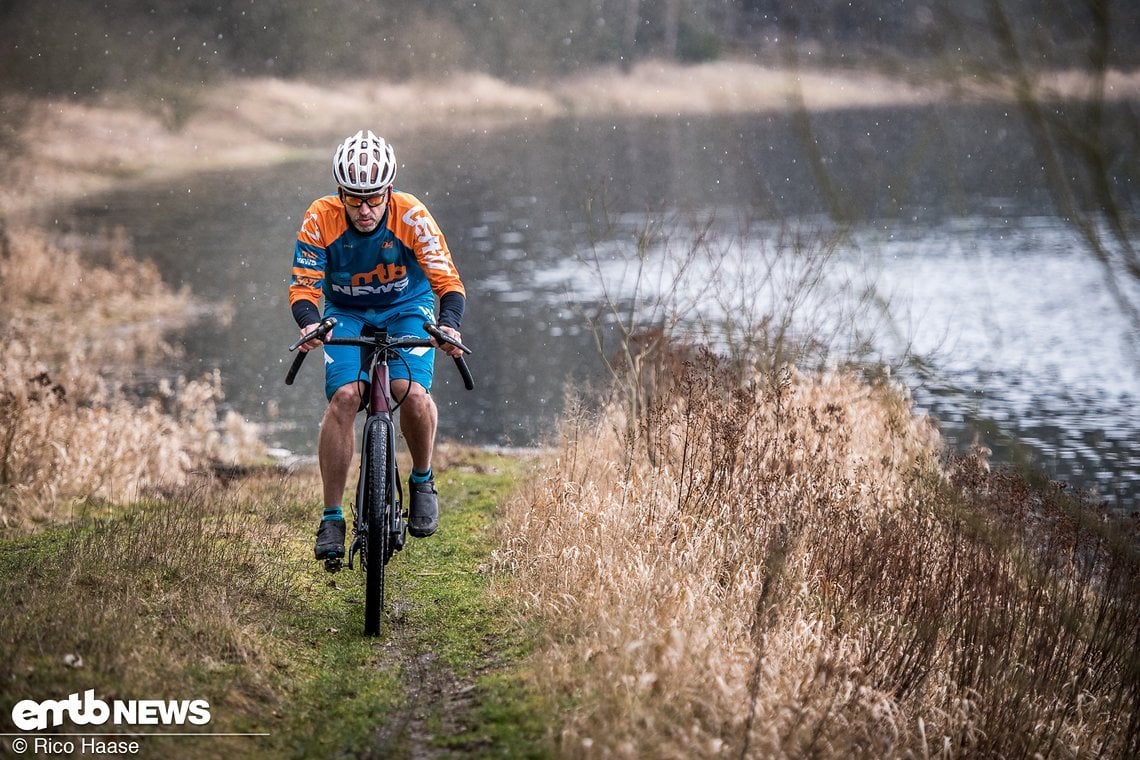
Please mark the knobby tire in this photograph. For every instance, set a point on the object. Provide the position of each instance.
(376, 494)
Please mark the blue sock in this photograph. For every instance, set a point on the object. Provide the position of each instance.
(333, 513)
(421, 476)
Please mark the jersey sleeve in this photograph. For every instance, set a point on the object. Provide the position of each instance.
(416, 227)
(309, 259)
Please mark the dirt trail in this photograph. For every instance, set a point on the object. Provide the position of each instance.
(436, 702)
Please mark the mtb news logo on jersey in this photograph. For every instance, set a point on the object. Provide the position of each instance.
(30, 715)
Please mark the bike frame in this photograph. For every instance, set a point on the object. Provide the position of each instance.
(379, 419)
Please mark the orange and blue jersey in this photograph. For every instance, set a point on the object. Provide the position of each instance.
(404, 262)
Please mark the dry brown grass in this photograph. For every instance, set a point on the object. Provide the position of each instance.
(785, 569)
(88, 415)
(176, 598)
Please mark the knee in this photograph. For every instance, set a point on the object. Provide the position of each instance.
(346, 401)
(417, 401)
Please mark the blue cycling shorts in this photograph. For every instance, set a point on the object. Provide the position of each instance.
(344, 364)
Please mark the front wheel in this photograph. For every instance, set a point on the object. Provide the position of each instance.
(377, 501)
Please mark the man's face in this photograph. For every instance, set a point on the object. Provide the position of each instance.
(365, 211)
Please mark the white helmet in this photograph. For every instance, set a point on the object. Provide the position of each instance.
(364, 164)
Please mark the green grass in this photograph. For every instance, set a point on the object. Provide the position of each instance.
(214, 595)
(455, 611)
(444, 579)
(446, 633)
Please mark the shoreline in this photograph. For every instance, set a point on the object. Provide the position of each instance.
(84, 148)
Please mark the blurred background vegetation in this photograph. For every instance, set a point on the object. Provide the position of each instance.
(81, 49)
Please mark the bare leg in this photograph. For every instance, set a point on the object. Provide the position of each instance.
(335, 446)
(418, 417)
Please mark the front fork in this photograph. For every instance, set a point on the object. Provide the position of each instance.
(397, 526)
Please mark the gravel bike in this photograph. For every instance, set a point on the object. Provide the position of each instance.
(379, 524)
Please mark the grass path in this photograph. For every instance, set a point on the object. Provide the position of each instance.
(443, 679)
(214, 595)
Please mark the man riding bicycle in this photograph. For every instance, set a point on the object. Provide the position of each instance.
(377, 257)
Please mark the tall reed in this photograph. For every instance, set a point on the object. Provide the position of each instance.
(791, 566)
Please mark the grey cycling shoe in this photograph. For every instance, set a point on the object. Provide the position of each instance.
(424, 513)
(330, 539)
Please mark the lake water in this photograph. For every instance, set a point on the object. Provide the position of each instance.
(942, 211)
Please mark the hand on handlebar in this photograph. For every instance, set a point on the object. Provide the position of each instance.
(311, 344)
(453, 351)
(319, 331)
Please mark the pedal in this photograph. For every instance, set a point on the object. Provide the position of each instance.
(333, 564)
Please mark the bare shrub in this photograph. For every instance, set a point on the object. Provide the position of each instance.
(75, 425)
(761, 295)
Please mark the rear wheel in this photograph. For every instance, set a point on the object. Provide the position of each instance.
(377, 502)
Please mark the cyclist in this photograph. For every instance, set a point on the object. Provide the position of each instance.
(379, 261)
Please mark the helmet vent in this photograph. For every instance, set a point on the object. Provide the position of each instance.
(364, 163)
